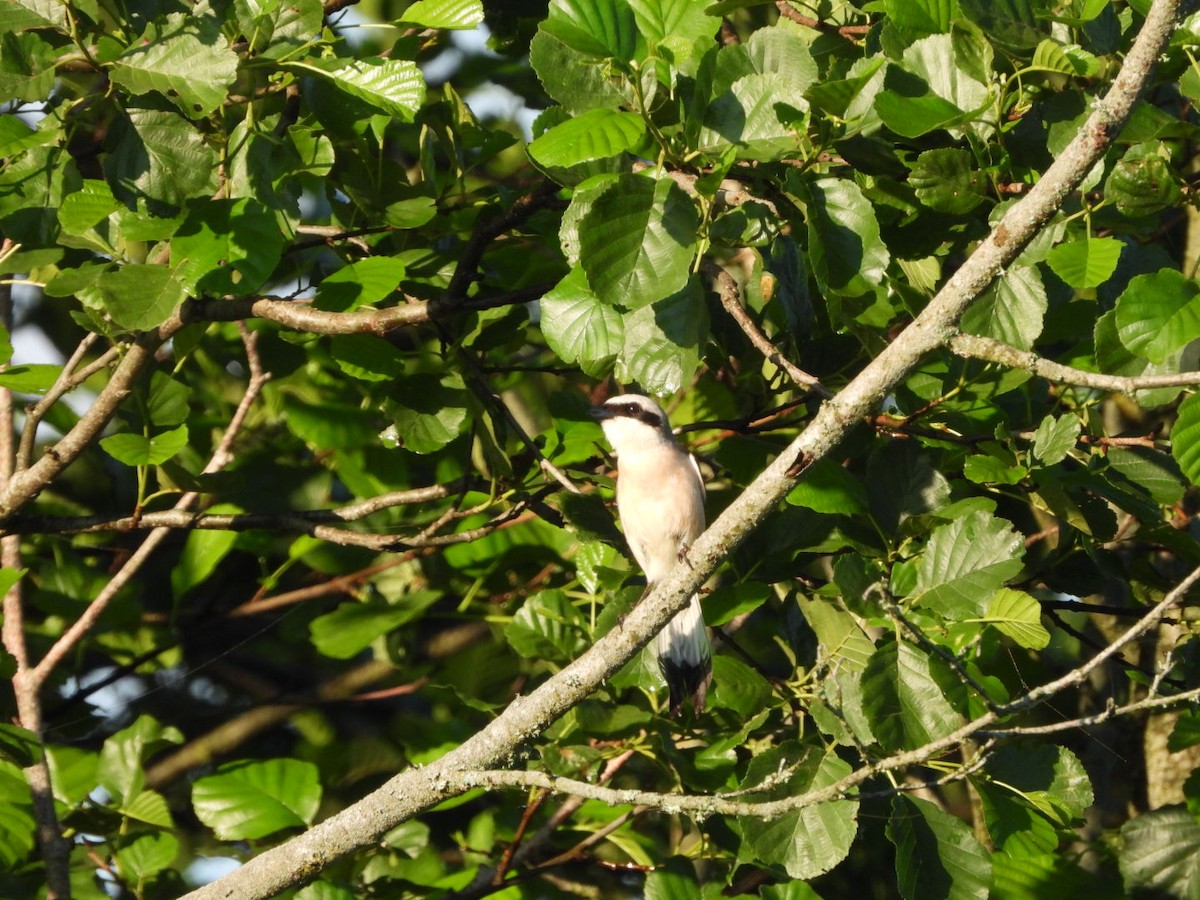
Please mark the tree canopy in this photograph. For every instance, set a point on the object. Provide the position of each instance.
(312, 581)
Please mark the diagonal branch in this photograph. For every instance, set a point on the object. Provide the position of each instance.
(417, 789)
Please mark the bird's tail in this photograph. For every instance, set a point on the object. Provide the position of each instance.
(685, 658)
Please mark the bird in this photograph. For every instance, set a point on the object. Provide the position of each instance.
(660, 503)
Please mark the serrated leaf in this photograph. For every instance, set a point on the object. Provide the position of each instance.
(159, 156)
(226, 247)
(1114, 358)
(1012, 309)
(638, 240)
(1142, 183)
(249, 800)
(145, 855)
(579, 327)
(1161, 854)
(366, 357)
(1055, 438)
(352, 627)
(663, 342)
(185, 59)
(906, 706)
(595, 134)
(1158, 314)
(1086, 263)
(139, 450)
(449, 14)
(86, 208)
(965, 562)
(1049, 776)
(597, 28)
(848, 255)
(738, 687)
(140, 296)
(394, 86)
(936, 854)
(17, 826)
(149, 807)
(547, 626)
(1018, 615)
(121, 770)
(947, 180)
(807, 842)
(1149, 470)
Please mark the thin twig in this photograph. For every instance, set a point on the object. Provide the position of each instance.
(730, 296)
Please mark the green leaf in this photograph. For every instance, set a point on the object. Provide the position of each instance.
(146, 855)
(1055, 438)
(139, 450)
(1012, 310)
(1158, 314)
(121, 770)
(202, 552)
(965, 563)
(1018, 615)
(936, 854)
(1113, 357)
(1086, 263)
(738, 687)
(848, 256)
(808, 841)
(362, 283)
(250, 800)
(36, 378)
(595, 134)
(1149, 470)
(185, 59)
(1015, 825)
(828, 488)
(226, 247)
(366, 357)
(598, 28)
(1142, 183)
(905, 703)
(1185, 438)
(332, 426)
(1050, 777)
(1161, 854)
(638, 241)
(86, 208)
(393, 86)
(571, 77)
(663, 342)
(161, 157)
(579, 327)
(947, 180)
(674, 881)
(140, 296)
(922, 16)
(450, 14)
(1036, 877)
(1186, 732)
(352, 627)
(431, 413)
(547, 626)
(149, 807)
(17, 826)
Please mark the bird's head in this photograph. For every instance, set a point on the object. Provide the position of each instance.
(633, 422)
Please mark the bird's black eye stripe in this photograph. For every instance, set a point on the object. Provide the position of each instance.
(634, 411)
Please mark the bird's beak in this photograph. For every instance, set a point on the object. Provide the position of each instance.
(600, 413)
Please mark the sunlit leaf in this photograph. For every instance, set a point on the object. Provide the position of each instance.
(248, 800)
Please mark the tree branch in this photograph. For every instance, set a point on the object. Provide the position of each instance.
(971, 346)
(414, 790)
(730, 296)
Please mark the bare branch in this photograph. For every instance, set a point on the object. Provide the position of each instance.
(730, 296)
(971, 346)
(221, 456)
(67, 380)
